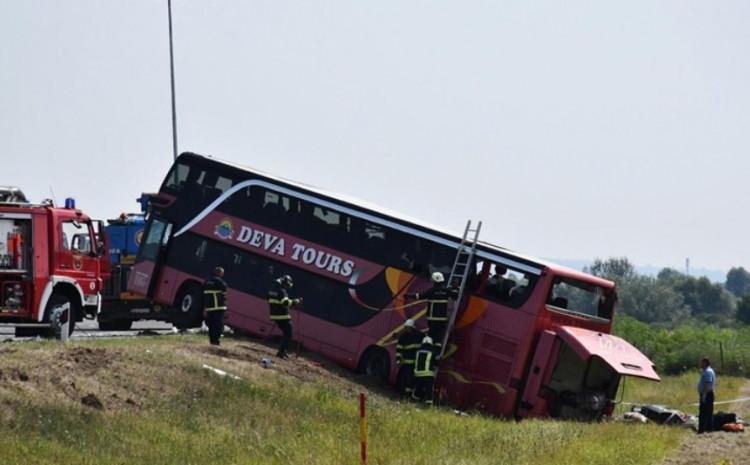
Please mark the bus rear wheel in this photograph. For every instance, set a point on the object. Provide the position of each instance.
(189, 306)
(375, 364)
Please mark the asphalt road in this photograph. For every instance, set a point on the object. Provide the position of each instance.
(89, 329)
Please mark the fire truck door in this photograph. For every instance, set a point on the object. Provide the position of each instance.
(76, 255)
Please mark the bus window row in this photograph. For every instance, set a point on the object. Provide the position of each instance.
(348, 234)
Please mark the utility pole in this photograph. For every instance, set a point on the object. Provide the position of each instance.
(171, 71)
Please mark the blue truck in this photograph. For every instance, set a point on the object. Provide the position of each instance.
(120, 307)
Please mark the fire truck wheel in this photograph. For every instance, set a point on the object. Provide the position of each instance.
(54, 313)
(375, 364)
(189, 306)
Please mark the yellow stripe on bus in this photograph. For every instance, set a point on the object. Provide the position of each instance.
(384, 341)
(461, 379)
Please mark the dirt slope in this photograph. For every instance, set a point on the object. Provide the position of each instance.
(128, 377)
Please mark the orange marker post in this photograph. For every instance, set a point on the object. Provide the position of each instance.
(362, 430)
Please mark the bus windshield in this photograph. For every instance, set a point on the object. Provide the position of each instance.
(578, 297)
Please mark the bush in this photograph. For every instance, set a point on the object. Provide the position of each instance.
(676, 350)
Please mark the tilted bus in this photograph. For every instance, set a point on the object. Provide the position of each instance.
(534, 341)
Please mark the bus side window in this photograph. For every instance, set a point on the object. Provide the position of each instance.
(177, 178)
(223, 184)
(507, 285)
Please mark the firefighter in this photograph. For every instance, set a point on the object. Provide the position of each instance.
(425, 368)
(279, 303)
(215, 304)
(406, 349)
(437, 308)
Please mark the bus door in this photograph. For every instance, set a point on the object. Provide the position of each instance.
(533, 402)
(147, 269)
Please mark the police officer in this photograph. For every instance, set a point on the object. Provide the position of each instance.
(215, 304)
(437, 308)
(425, 368)
(406, 350)
(279, 303)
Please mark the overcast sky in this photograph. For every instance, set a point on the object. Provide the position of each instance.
(574, 129)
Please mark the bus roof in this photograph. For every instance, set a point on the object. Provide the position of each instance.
(485, 249)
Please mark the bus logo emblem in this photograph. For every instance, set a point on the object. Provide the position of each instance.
(224, 229)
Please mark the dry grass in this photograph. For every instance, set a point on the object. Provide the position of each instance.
(298, 412)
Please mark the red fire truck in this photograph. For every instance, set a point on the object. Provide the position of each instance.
(50, 259)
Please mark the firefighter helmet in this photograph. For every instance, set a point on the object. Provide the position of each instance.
(437, 277)
(427, 340)
(286, 281)
(409, 323)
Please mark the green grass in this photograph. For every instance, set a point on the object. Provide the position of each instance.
(272, 418)
(678, 391)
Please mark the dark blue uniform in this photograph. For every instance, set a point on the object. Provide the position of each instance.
(406, 351)
(437, 311)
(214, 306)
(279, 303)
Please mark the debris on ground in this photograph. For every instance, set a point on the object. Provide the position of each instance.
(220, 372)
(90, 400)
(635, 417)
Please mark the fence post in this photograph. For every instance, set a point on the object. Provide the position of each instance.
(362, 430)
(721, 354)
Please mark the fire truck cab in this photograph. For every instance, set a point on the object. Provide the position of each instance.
(50, 259)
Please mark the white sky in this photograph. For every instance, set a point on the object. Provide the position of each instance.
(573, 129)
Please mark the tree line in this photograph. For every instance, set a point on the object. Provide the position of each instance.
(673, 297)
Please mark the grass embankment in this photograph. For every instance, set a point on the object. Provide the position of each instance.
(148, 401)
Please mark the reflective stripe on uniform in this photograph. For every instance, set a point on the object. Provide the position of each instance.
(423, 364)
(285, 301)
(215, 307)
(281, 317)
(430, 315)
(408, 346)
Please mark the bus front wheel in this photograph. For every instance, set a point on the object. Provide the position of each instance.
(189, 306)
(375, 364)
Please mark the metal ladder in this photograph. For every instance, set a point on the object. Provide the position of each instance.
(460, 272)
